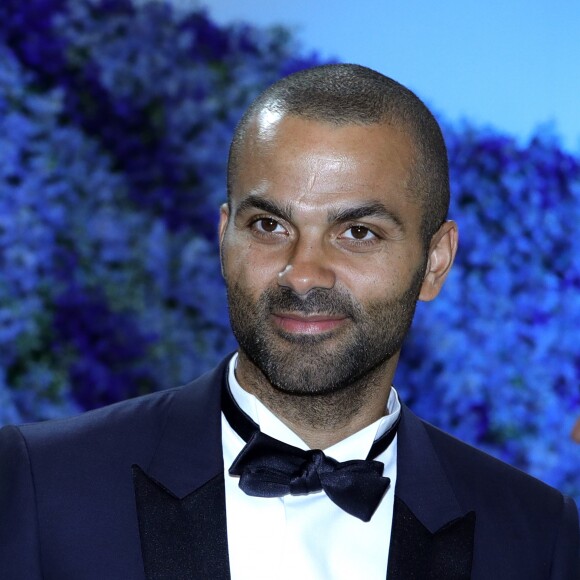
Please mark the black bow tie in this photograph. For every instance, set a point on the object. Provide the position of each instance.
(270, 468)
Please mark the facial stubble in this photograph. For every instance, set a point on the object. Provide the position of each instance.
(321, 379)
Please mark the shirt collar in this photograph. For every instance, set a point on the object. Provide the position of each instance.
(356, 446)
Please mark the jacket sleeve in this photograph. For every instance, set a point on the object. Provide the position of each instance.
(19, 546)
(566, 562)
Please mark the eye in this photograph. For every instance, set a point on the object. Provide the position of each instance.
(268, 226)
(360, 233)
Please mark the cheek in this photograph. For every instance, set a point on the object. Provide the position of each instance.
(381, 279)
(250, 267)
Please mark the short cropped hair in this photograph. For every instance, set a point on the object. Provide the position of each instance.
(344, 94)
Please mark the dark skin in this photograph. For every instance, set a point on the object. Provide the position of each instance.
(317, 206)
(576, 432)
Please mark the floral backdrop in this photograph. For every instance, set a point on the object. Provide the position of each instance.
(115, 121)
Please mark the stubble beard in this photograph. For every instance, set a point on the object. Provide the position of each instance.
(321, 379)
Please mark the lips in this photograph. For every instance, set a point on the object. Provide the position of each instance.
(308, 324)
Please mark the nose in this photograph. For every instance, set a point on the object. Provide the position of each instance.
(309, 267)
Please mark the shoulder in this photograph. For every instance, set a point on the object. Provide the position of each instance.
(492, 486)
(478, 480)
(135, 424)
(144, 413)
(523, 527)
(126, 429)
(513, 509)
(478, 467)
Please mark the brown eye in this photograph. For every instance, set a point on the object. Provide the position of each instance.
(268, 225)
(359, 232)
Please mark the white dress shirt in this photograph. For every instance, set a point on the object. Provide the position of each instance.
(307, 536)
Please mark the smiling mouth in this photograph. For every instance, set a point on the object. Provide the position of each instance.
(311, 324)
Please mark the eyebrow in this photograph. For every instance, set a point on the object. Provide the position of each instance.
(339, 215)
(373, 209)
(266, 205)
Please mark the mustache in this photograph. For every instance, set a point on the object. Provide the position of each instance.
(318, 301)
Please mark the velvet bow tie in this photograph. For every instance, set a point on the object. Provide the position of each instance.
(270, 468)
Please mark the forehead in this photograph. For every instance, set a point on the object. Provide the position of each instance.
(296, 159)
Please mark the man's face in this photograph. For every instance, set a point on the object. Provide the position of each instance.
(321, 250)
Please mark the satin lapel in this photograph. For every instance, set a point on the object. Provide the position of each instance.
(432, 537)
(180, 495)
(182, 538)
(416, 553)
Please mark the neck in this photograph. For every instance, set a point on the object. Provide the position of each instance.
(321, 420)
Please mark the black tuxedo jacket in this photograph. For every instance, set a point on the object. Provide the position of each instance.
(136, 490)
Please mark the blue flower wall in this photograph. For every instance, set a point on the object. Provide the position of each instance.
(115, 123)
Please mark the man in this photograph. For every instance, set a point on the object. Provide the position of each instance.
(335, 226)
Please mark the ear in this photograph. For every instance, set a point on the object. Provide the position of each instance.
(223, 224)
(439, 261)
(224, 218)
